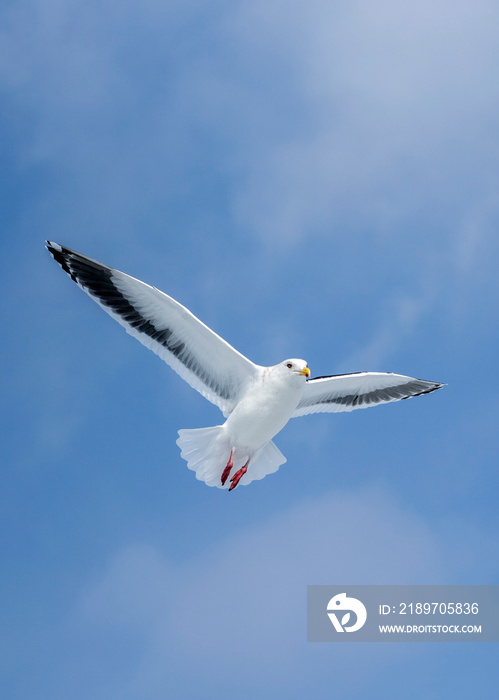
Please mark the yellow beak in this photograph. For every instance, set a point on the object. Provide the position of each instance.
(305, 371)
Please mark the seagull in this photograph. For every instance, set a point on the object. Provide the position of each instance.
(256, 401)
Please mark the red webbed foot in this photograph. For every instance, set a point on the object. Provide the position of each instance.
(238, 476)
(226, 471)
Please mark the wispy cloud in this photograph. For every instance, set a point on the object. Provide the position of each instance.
(399, 321)
(396, 101)
(330, 120)
(241, 603)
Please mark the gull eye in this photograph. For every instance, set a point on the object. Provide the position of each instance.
(289, 365)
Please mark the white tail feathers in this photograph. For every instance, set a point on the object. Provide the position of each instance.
(207, 451)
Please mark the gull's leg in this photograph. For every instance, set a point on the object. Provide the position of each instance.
(238, 476)
(226, 471)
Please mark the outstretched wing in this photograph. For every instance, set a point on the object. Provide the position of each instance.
(346, 392)
(196, 353)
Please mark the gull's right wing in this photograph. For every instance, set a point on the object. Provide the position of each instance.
(200, 356)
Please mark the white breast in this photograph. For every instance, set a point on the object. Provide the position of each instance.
(264, 410)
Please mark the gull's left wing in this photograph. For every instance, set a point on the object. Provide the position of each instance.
(346, 392)
(200, 356)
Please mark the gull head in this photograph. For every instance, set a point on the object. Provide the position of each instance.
(295, 367)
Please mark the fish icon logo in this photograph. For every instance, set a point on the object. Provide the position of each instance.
(342, 604)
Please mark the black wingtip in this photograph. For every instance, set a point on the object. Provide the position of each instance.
(434, 387)
(60, 255)
(50, 246)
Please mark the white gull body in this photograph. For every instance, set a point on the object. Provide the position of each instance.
(268, 402)
(267, 405)
(256, 401)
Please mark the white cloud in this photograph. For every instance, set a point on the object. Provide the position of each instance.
(324, 115)
(345, 121)
(241, 604)
(400, 318)
(394, 101)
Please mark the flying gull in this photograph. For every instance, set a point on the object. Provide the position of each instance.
(256, 401)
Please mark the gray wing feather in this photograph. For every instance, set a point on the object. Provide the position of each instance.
(347, 392)
(201, 357)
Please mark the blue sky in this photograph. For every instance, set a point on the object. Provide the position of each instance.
(315, 180)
